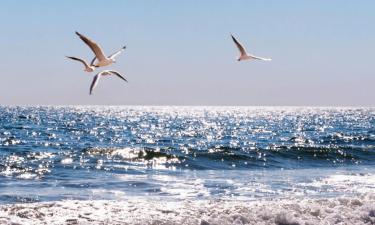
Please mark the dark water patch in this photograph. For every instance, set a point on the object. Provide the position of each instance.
(324, 156)
(18, 199)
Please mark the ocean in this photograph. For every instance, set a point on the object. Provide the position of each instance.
(187, 165)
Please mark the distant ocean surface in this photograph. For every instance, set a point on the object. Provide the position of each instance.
(178, 153)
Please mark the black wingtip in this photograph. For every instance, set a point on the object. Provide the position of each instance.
(124, 47)
(124, 79)
(77, 33)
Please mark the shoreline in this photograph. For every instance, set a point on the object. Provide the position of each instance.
(342, 210)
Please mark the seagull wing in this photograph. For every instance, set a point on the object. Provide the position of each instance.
(94, 47)
(95, 82)
(239, 46)
(117, 53)
(93, 61)
(260, 58)
(117, 74)
(80, 60)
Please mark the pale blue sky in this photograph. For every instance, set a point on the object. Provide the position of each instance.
(180, 52)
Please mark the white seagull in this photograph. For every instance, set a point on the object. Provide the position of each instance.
(244, 55)
(88, 68)
(99, 54)
(104, 73)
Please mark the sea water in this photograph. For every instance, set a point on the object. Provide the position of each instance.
(172, 154)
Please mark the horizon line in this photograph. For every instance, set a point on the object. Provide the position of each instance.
(171, 105)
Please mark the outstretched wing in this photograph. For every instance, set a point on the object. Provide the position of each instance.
(117, 74)
(94, 46)
(95, 81)
(117, 53)
(93, 61)
(239, 46)
(78, 59)
(260, 58)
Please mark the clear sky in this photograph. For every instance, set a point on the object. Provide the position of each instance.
(180, 52)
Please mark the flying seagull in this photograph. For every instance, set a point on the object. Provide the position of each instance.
(88, 68)
(104, 73)
(244, 55)
(99, 54)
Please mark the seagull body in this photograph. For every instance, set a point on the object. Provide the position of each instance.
(244, 55)
(88, 68)
(99, 54)
(104, 73)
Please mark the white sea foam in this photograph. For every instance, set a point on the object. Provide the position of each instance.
(344, 210)
(67, 161)
(346, 183)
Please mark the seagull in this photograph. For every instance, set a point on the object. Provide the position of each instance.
(244, 55)
(88, 68)
(99, 54)
(104, 73)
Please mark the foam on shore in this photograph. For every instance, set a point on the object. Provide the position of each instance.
(345, 210)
